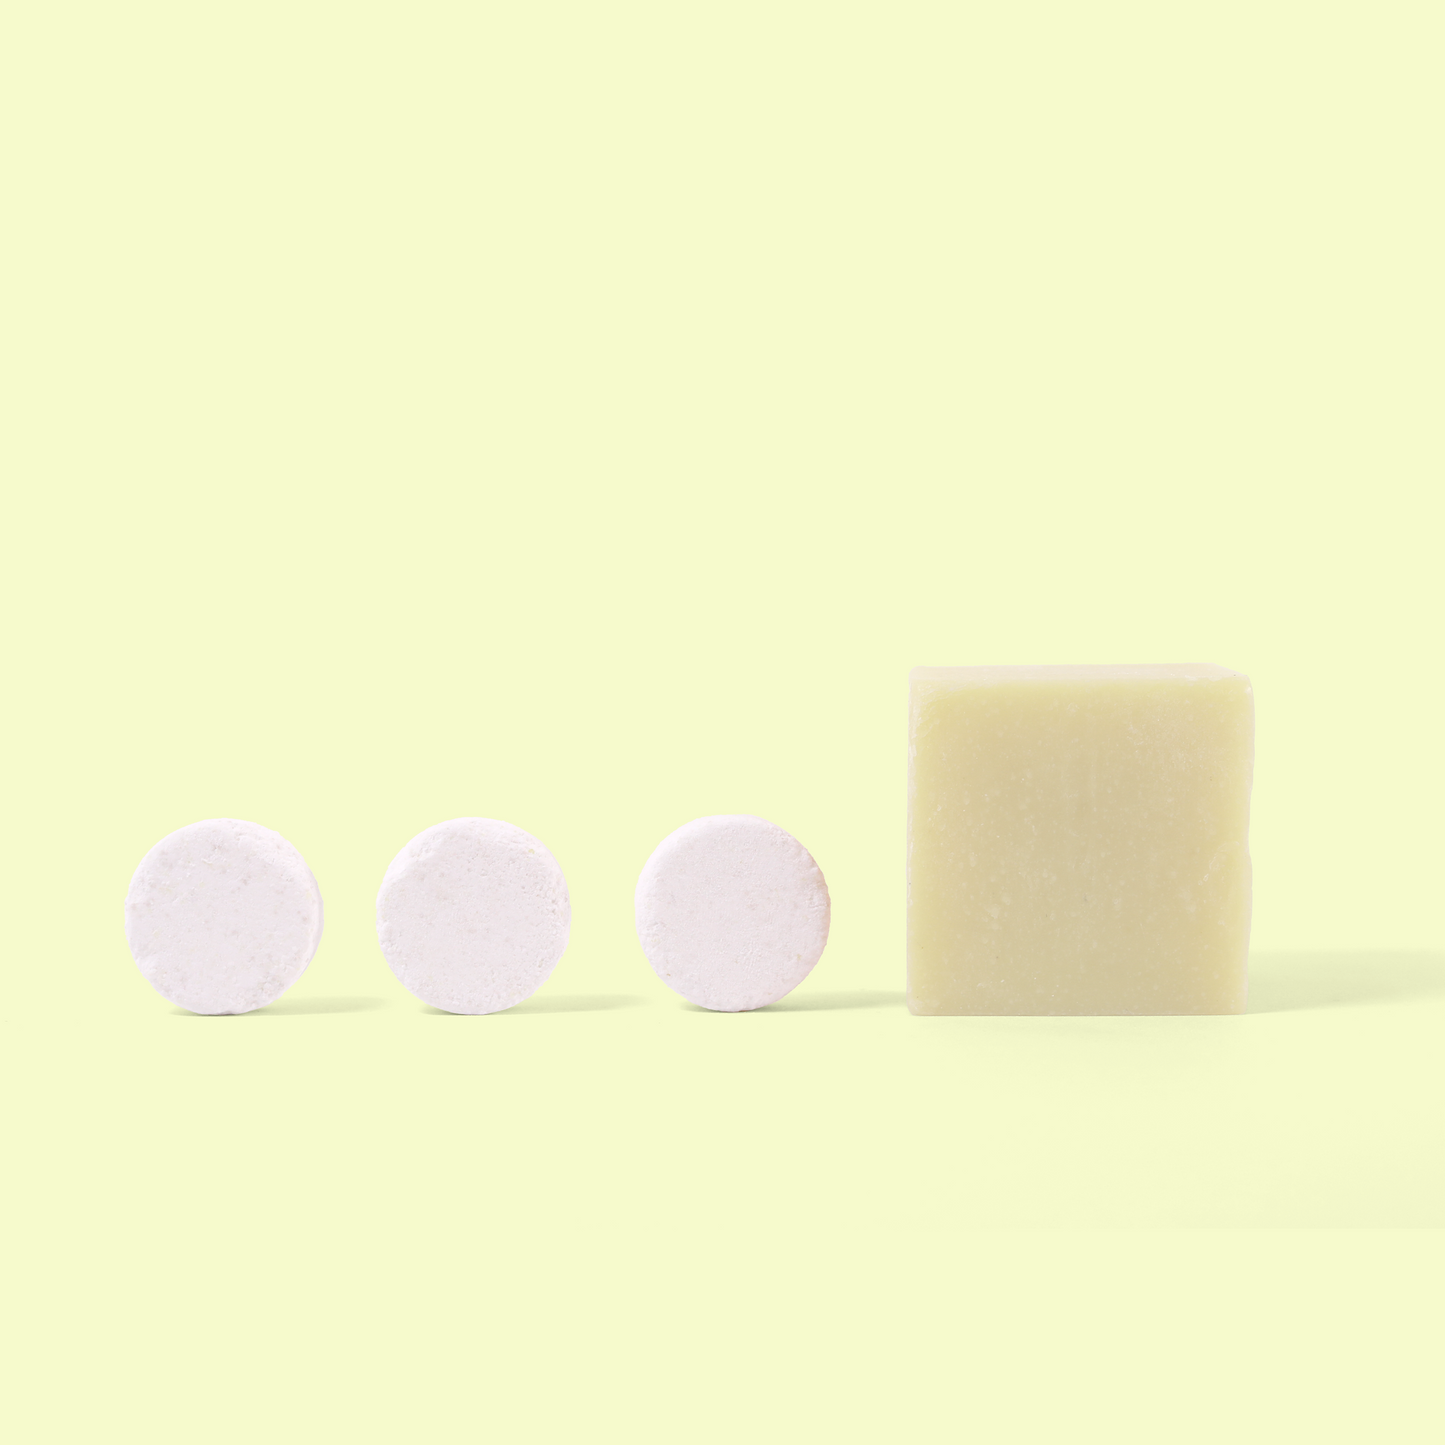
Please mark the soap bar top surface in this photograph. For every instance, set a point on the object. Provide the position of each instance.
(1101, 672)
(1078, 839)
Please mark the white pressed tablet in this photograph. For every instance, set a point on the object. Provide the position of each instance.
(732, 912)
(223, 916)
(473, 915)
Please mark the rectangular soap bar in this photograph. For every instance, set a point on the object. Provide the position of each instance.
(1078, 840)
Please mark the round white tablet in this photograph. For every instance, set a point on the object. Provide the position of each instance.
(223, 916)
(732, 912)
(473, 915)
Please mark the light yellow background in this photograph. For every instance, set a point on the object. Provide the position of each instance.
(585, 416)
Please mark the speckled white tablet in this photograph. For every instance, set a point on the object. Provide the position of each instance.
(732, 912)
(473, 915)
(223, 916)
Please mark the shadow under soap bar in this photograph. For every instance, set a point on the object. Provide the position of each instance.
(1078, 840)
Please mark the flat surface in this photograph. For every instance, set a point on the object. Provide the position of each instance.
(222, 916)
(586, 416)
(473, 915)
(1080, 846)
(541, 1196)
(1063, 672)
(732, 912)
(1320, 1107)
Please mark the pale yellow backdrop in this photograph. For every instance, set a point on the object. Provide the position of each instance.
(585, 415)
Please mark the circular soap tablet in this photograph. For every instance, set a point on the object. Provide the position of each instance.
(473, 915)
(223, 917)
(732, 912)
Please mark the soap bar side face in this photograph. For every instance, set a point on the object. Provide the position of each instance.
(1079, 844)
(732, 912)
(223, 916)
(473, 915)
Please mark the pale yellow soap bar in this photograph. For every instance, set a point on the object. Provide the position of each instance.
(1078, 840)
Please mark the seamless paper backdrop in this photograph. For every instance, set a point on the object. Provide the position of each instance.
(585, 416)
